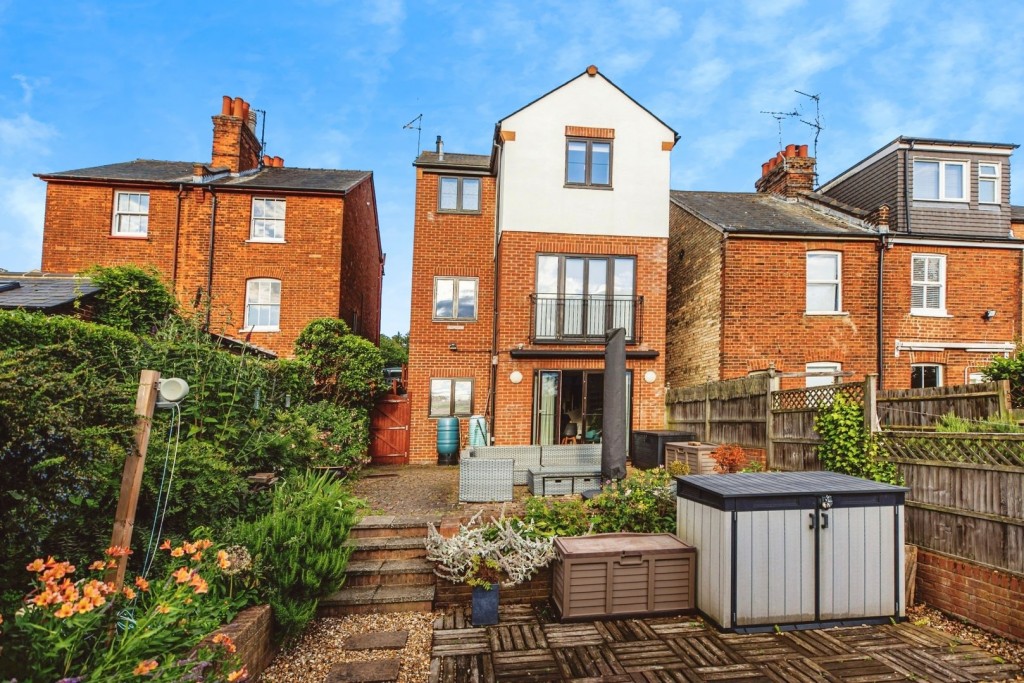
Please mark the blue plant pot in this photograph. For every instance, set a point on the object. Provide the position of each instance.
(485, 606)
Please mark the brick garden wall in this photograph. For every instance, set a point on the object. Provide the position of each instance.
(252, 633)
(986, 597)
(537, 589)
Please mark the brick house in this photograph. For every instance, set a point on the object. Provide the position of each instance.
(269, 247)
(907, 265)
(524, 257)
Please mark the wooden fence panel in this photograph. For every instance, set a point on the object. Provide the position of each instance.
(924, 407)
(731, 411)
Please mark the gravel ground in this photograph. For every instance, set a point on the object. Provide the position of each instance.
(1008, 650)
(320, 648)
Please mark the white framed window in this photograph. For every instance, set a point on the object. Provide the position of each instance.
(588, 162)
(923, 375)
(976, 377)
(131, 214)
(817, 373)
(928, 284)
(988, 183)
(824, 282)
(940, 180)
(263, 305)
(267, 220)
(451, 396)
(459, 195)
(455, 298)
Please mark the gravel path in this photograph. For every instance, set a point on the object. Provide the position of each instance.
(1003, 648)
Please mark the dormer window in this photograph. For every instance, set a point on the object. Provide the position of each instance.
(988, 183)
(940, 180)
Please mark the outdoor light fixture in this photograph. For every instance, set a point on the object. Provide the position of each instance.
(515, 377)
(171, 391)
(453, 347)
(650, 376)
(989, 314)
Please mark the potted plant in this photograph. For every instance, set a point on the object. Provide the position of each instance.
(504, 552)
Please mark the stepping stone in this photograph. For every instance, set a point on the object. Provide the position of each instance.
(384, 640)
(374, 671)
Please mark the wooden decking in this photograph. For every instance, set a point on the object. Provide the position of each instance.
(529, 646)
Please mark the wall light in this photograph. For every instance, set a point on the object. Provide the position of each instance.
(989, 314)
(650, 376)
(515, 377)
(453, 347)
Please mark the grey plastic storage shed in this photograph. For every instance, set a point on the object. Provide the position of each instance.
(793, 549)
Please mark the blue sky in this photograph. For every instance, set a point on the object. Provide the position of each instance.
(88, 83)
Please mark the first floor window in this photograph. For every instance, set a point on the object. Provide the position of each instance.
(267, 220)
(459, 194)
(818, 374)
(925, 375)
(823, 282)
(988, 183)
(928, 284)
(263, 305)
(455, 298)
(451, 397)
(131, 214)
(940, 180)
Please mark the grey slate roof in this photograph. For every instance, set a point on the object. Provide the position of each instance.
(759, 213)
(174, 172)
(480, 162)
(37, 292)
(1017, 213)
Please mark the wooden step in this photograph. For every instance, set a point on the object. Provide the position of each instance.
(377, 600)
(414, 572)
(386, 548)
(393, 525)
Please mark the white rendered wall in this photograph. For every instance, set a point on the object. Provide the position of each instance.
(531, 179)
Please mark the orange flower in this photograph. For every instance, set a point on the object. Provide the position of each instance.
(239, 675)
(177, 552)
(142, 584)
(98, 565)
(162, 609)
(117, 551)
(84, 605)
(111, 564)
(166, 545)
(144, 667)
(225, 640)
(199, 584)
(36, 565)
(182, 575)
(128, 593)
(222, 559)
(189, 547)
(64, 611)
(204, 544)
(198, 556)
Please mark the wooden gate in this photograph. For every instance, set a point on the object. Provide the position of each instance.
(389, 430)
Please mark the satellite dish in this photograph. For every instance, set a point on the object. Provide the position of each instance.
(172, 390)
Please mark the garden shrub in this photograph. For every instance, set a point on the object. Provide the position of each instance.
(643, 502)
(558, 517)
(301, 545)
(346, 368)
(950, 422)
(728, 458)
(847, 447)
(343, 433)
(131, 298)
(106, 347)
(395, 349)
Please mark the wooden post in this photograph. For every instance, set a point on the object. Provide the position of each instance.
(131, 480)
(772, 385)
(1004, 398)
(707, 411)
(871, 403)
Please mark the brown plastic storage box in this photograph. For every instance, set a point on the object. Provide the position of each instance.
(694, 454)
(620, 574)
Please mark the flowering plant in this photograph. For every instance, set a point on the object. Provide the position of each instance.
(85, 629)
(506, 551)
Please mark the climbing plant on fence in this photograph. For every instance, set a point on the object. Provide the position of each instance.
(847, 447)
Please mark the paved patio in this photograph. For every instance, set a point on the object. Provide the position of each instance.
(528, 645)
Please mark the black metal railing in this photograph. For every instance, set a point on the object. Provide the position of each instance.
(584, 319)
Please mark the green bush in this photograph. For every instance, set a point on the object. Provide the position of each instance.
(950, 422)
(346, 368)
(342, 434)
(1011, 368)
(643, 502)
(847, 447)
(301, 545)
(395, 349)
(558, 517)
(131, 298)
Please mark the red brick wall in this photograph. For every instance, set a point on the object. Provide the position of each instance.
(448, 244)
(989, 598)
(361, 265)
(252, 633)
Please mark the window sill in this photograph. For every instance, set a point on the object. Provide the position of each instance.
(458, 212)
(247, 330)
(827, 313)
(577, 186)
(454, 321)
(258, 240)
(116, 236)
(921, 313)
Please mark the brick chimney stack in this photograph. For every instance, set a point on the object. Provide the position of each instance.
(235, 145)
(789, 173)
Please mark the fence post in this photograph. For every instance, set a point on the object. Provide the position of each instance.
(707, 412)
(772, 385)
(1005, 403)
(871, 403)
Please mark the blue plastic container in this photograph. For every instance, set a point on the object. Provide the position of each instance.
(448, 441)
(478, 431)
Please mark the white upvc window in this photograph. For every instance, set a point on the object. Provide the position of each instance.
(451, 396)
(267, 220)
(924, 375)
(814, 379)
(263, 305)
(928, 284)
(988, 183)
(824, 282)
(941, 180)
(131, 214)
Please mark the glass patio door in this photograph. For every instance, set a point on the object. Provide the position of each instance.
(547, 389)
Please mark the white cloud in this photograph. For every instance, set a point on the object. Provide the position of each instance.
(29, 86)
(24, 133)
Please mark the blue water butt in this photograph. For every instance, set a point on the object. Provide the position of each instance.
(478, 431)
(448, 441)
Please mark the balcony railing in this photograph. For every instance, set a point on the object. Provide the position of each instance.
(584, 319)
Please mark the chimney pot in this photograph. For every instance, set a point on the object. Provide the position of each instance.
(440, 148)
(268, 160)
(803, 151)
(764, 169)
(225, 107)
(236, 107)
(278, 162)
(790, 151)
(245, 111)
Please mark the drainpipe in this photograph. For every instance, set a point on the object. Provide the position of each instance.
(209, 269)
(177, 234)
(492, 399)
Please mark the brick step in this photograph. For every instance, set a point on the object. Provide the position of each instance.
(386, 548)
(414, 572)
(377, 600)
(390, 526)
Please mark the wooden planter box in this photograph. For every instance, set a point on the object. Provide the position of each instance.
(622, 574)
(694, 454)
